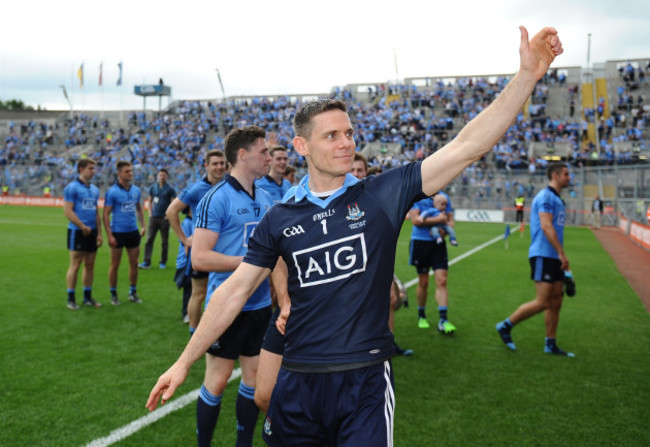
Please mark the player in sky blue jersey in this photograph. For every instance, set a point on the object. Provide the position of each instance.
(225, 219)
(123, 201)
(548, 262)
(337, 236)
(215, 168)
(84, 231)
(274, 182)
(425, 254)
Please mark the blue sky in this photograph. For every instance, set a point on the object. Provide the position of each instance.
(286, 46)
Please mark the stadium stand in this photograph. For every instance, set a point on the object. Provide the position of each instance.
(395, 123)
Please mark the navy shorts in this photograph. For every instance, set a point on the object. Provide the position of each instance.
(352, 408)
(130, 239)
(244, 336)
(425, 255)
(273, 339)
(545, 269)
(78, 242)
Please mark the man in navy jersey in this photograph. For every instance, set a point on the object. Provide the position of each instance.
(425, 254)
(548, 262)
(225, 219)
(274, 182)
(337, 236)
(84, 231)
(215, 168)
(123, 201)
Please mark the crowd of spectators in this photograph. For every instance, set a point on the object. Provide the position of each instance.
(417, 120)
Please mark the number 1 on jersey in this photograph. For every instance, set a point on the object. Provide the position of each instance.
(324, 223)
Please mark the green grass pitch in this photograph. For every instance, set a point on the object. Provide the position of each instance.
(69, 378)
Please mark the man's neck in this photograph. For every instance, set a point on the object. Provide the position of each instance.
(123, 184)
(276, 176)
(85, 181)
(245, 179)
(324, 183)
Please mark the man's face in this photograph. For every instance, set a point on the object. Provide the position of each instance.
(258, 158)
(215, 168)
(162, 177)
(331, 145)
(87, 172)
(359, 169)
(291, 178)
(279, 162)
(563, 178)
(125, 175)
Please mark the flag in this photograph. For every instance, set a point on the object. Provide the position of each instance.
(522, 227)
(119, 77)
(101, 69)
(65, 92)
(80, 75)
(507, 233)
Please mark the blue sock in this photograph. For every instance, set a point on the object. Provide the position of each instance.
(421, 313)
(113, 291)
(550, 342)
(88, 293)
(71, 295)
(442, 311)
(507, 323)
(247, 413)
(132, 290)
(192, 330)
(207, 413)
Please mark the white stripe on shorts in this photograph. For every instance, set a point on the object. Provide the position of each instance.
(389, 408)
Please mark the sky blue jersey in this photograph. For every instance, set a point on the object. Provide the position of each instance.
(124, 203)
(276, 191)
(193, 194)
(229, 210)
(84, 199)
(546, 201)
(428, 210)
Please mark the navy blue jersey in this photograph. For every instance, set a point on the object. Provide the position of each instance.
(340, 253)
(124, 203)
(84, 199)
(276, 191)
(161, 197)
(546, 201)
(229, 210)
(193, 194)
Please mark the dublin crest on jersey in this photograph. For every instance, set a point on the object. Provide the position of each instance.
(354, 213)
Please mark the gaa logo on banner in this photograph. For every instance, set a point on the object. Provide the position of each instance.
(479, 215)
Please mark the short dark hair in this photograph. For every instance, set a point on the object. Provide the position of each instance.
(163, 170)
(275, 149)
(290, 170)
(554, 168)
(360, 157)
(302, 124)
(375, 170)
(120, 164)
(85, 162)
(244, 137)
(214, 153)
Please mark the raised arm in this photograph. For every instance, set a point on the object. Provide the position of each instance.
(484, 131)
(224, 306)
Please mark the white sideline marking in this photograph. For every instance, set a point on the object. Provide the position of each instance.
(129, 429)
(177, 404)
(414, 281)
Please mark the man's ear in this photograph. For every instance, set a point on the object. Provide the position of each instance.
(299, 144)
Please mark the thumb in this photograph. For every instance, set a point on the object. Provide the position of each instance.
(524, 38)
